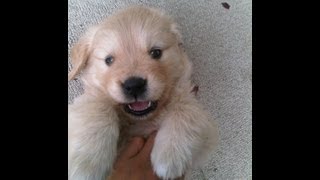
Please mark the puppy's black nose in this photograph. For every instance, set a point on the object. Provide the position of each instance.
(134, 86)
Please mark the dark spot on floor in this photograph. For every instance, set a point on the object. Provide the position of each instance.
(215, 169)
(195, 90)
(225, 5)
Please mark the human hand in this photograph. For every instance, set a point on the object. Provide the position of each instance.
(134, 161)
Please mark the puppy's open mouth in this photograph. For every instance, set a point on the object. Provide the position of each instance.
(140, 108)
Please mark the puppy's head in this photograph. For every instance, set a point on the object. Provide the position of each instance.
(134, 58)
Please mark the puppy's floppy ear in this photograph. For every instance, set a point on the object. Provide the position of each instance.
(80, 53)
(186, 73)
(175, 29)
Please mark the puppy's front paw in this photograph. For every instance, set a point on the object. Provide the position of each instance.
(168, 163)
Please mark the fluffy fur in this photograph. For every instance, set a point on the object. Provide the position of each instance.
(98, 125)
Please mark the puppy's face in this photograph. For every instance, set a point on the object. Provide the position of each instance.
(134, 58)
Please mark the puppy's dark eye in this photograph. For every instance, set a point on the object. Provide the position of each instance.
(109, 60)
(156, 53)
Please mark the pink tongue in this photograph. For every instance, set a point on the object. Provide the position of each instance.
(139, 106)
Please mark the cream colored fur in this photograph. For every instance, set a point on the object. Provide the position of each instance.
(98, 127)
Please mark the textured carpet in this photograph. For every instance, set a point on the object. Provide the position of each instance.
(219, 43)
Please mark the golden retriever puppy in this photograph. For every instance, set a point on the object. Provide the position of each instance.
(136, 78)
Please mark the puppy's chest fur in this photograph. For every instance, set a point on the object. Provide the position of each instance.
(133, 128)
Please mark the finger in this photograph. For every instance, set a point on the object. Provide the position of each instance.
(147, 148)
(133, 148)
(150, 175)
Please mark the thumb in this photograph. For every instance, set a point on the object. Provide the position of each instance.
(147, 148)
(132, 148)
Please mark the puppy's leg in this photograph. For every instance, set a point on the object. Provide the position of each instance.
(183, 133)
(93, 136)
